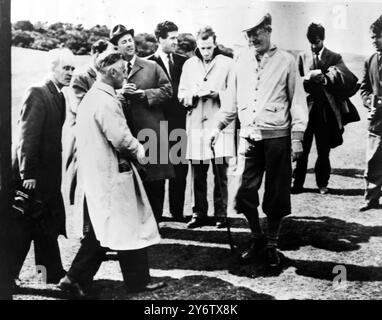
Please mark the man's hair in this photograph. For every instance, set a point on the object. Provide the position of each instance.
(99, 46)
(376, 26)
(56, 56)
(163, 28)
(206, 32)
(186, 42)
(107, 59)
(315, 30)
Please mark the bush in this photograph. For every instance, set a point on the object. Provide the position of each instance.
(24, 25)
(44, 37)
(22, 39)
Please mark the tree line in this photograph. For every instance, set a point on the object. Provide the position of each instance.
(44, 36)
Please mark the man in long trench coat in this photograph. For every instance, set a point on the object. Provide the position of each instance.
(203, 87)
(115, 200)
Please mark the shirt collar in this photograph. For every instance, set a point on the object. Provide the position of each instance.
(163, 55)
(320, 53)
(132, 61)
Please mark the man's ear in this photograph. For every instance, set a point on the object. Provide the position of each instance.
(112, 72)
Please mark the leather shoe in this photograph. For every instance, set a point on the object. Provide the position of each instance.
(151, 286)
(273, 258)
(296, 190)
(56, 279)
(255, 247)
(72, 287)
(323, 190)
(195, 223)
(221, 223)
(368, 206)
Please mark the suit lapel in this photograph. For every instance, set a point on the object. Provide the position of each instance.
(159, 60)
(136, 67)
(57, 99)
(324, 59)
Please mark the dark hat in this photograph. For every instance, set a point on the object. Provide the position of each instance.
(118, 31)
(260, 21)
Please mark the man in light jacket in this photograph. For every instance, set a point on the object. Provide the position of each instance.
(202, 88)
(120, 216)
(268, 96)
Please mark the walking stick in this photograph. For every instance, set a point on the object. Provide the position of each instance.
(230, 240)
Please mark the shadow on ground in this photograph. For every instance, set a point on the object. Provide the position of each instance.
(345, 172)
(187, 288)
(338, 192)
(323, 233)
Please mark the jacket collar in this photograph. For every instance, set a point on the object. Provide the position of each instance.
(136, 66)
(216, 52)
(52, 87)
(105, 87)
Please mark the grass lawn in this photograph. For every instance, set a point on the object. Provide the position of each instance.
(325, 231)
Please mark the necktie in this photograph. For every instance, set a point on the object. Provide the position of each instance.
(170, 65)
(316, 61)
(129, 67)
(63, 106)
(380, 65)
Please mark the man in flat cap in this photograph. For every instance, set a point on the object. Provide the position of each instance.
(269, 99)
(114, 199)
(143, 99)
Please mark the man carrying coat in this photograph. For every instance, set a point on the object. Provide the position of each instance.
(144, 97)
(326, 80)
(120, 216)
(38, 165)
(202, 89)
(172, 63)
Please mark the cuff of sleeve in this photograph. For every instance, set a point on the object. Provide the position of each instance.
(27, 175)
(298, 135)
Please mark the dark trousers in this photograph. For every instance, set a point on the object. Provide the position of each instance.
(177, 189)
(219, 166)
(317, 127)
(47, 251)
(134, 263)
(155, 193)
(272, 157)
(373, 173)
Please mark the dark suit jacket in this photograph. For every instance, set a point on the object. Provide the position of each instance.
(147, 114)
(371, 89)
(333, 106)
(174, 111)
(39, 149)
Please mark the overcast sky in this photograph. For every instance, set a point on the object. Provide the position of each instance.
(346, 22)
